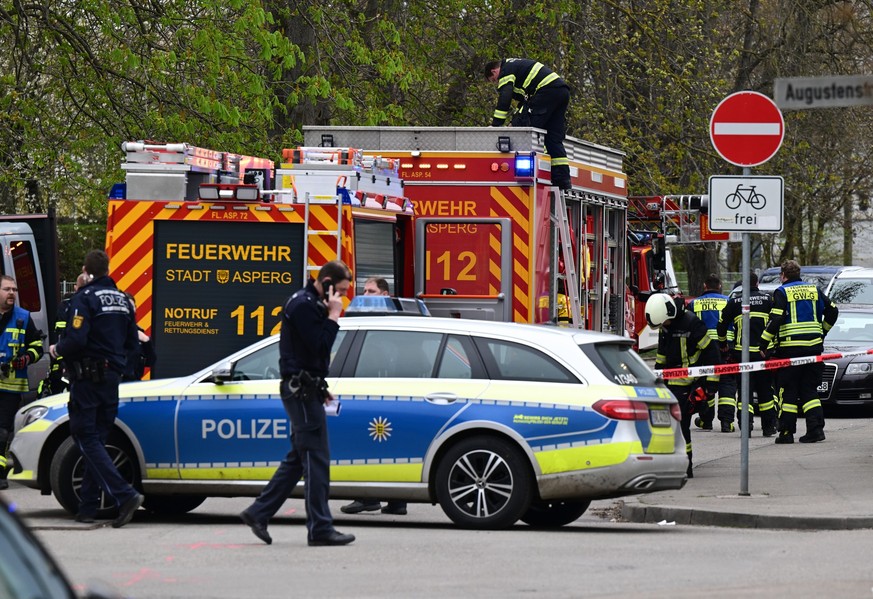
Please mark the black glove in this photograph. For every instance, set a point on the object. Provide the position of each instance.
(20, 362)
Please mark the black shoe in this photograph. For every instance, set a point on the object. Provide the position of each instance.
(690, 472)
(4, 484)
(259, 530)
(699, 423)
(334, 538)
(812, 437)
(85, 518)
(127, 510)
(727, 427)
(784, 438)
(394, 509)
(358, 506)
(769, 431)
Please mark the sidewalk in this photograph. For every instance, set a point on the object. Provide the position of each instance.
(826, 485)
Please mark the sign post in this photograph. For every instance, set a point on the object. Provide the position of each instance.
(746, 129)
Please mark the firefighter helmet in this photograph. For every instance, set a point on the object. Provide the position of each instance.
(659, 308)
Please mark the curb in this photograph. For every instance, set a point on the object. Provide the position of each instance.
(649, 514)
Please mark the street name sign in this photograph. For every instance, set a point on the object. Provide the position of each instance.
(798, 93)
(746, 128)
(746, 203)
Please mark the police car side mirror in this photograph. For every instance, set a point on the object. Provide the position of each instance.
(222, 373)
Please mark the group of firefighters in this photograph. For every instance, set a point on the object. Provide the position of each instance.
(790, 324)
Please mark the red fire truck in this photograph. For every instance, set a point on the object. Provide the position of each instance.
(488, 222)
(654, 224)
(210, 250)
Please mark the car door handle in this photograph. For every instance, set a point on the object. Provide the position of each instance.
(442, 398)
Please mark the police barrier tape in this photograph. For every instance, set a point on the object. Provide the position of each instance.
(682, 373)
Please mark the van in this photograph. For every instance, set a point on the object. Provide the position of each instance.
(29, 254)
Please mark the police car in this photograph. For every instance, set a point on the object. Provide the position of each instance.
(495, 422)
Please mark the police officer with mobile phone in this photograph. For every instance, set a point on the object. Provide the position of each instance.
(309, 326)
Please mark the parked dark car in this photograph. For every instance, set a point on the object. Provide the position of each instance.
(849, 381)
(26, 568)
(823, 276)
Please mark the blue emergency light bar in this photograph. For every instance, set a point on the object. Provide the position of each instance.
(383, 305)
(525, 166)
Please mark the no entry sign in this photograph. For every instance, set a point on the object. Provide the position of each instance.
(746, 128)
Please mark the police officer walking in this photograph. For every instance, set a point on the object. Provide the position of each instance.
(309, 326)
(20, 345)
(683, 341)
(760, 382)
(101, 329)
(800, 318)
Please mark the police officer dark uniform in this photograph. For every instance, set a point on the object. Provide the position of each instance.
(544, 96)
(101, 329)
(309, 326)
(730, 336)
(800, 318)
(707, 307)
(20, 345)
(683, 341)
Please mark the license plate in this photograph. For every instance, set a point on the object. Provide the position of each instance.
(823, 388)
(659, 417)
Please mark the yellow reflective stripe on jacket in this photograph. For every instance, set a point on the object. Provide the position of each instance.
(546, 80)
(506, 80)
(531, 75)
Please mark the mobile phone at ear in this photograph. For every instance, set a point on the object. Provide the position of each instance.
(325, 287)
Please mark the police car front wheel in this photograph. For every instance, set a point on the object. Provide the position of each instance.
(484, 482)
(66, 473)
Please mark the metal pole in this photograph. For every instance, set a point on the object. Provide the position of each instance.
(745, 421)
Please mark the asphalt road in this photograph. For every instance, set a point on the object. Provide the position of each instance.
(208, 553)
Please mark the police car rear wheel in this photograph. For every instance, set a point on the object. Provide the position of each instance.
(172, 505)
(66, 474)
(484, 483)
(552, 514)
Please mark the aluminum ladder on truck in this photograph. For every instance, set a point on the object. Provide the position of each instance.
(571, 277)
(310, 200)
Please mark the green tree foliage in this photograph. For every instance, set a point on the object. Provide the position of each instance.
(81, 77)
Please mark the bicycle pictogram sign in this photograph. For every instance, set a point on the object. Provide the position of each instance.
(747, 195)
(746, 203)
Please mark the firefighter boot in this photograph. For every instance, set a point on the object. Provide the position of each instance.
(769, 426)
(785, 438)
(690, 472)
(727, 427)
(699, 423)
(814, 428)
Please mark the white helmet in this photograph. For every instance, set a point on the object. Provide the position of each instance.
(660, 307)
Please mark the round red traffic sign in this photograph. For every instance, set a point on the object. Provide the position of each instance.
(746, 128)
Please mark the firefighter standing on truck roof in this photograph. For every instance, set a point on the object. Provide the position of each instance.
(683, 341)
(542, 97)
(20, 345)
(800, 318)
(707, 307)
(760, 382)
